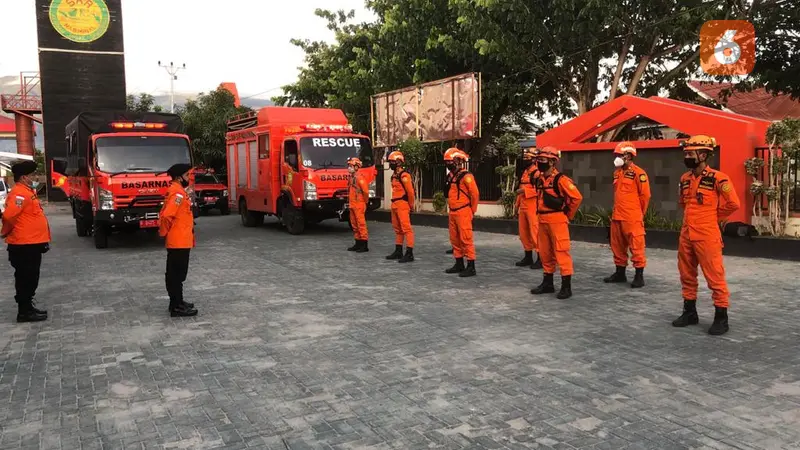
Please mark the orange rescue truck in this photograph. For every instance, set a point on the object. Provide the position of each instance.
(115, 170)
(292, 163)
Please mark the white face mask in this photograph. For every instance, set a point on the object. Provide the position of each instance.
(619, 162)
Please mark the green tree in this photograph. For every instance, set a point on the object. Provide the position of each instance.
(509, 149)
(206, 120)
(144, 103)
(41, 164)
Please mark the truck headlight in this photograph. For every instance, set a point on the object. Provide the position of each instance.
(309, 190)
(372, 188)
(105, 199)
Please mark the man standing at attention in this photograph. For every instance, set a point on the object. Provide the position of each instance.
(358, 197)
(631, 197)
(462, 201)
(402, 204)
(527, 201)
(27, 234)
(707, 197)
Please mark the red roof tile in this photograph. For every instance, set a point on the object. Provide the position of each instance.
(758, 103)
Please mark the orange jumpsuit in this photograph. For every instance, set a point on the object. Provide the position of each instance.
(554, 242)
(24, 222)
(527, 201)
(402, 199)
(706, 200)
(358, 196)
(462, 200)
(631, 197)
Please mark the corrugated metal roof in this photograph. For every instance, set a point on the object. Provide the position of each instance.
(757, 103)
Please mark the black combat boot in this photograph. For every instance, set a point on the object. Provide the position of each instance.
(37, 310)
(546, 287)
(457, 268)
(27, 313)
(469, 271)
(355, 247)
(408, 257)
(398, 253)
(538, 263)
(449, 252)
(720, 325)
(526, 261)
(363, 248)
(689, 316)
(638, 279)
(618, 276)
(182, 310)
(566, 287)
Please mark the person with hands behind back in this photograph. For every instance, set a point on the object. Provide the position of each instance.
(559, 200)
(403, 197)
(526, 202)
(27, 233)
(631, 197)
(462, 201)
(176, 224)
(358, 197)
(707, 197)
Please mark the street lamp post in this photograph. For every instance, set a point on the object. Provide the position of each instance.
(172, 70)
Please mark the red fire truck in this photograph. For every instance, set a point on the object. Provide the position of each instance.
(210, 192)
(116, 169)
(292, 163)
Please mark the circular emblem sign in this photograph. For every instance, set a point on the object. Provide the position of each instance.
(80, 21)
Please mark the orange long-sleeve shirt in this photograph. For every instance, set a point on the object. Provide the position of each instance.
(529, 197)
(403, 188)
(569, 192)
(176, 221)
(631, 194)
(24, 221)
(463, 192)
(358, 194)
(706, 200)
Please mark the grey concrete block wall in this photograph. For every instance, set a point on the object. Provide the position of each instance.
(592, 172)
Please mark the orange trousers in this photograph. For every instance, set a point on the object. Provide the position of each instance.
(529, 229)
(358, 220)
(401, 222)
(626, 234)
(708, 254)
(461, 234)
(554, 246)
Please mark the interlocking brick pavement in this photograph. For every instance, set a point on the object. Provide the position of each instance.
(300, 344)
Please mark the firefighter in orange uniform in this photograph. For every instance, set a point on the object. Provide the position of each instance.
(462, 200)
(526, 202)
(176, 224)
(358, 196)
(27, 234)
(631, 197)
(707, 197)
(559, 200)
(402, 205)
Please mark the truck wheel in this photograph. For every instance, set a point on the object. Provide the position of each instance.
(225, 209)
(293, 219)
(101, 232)
(82, 228)
(249, 218)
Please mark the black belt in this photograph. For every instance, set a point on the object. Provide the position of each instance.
(548, 212)
(405, 197)
(460, 207)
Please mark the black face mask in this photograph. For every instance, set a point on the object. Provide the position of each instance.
(393, 166)
(451, 167)
(691, 163)
(543, 166)
(184, 182)
(527, 163)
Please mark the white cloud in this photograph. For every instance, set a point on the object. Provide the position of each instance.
(244, 41)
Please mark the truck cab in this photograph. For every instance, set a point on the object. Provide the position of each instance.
(116, 169)
(292, 163)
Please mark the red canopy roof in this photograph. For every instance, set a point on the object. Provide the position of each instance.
(758, 103)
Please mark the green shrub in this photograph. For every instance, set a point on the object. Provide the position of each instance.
(509, 201)
(439, 202)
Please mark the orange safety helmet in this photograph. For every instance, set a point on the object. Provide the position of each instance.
(453, 153)
(550, 152)
(625, 147)
(353, 161)
(699, 142)
(396, 157)
(530, 153)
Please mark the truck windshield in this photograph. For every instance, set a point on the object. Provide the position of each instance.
(121, 154)
(205, 178)
(332, 152)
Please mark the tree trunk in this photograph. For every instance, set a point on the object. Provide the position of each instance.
(623, 55)
(490, 129)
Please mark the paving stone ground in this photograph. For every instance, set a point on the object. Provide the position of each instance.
(300, 344)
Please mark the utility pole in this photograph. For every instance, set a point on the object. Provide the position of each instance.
(172, 70)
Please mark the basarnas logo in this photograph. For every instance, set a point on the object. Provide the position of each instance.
(81, 21)
(727, 47)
